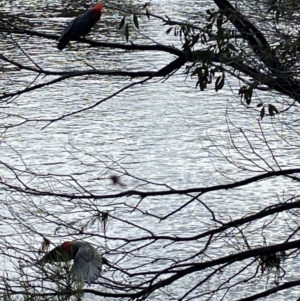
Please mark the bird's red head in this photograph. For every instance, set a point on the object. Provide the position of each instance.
(67, 246)
(96, 11)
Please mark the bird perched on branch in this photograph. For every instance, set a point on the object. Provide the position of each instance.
(87, 260)
(80, 26)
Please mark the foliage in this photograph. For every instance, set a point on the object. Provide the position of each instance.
(149, 257)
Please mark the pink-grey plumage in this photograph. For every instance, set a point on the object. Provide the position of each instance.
(80, 26)
(87, 260)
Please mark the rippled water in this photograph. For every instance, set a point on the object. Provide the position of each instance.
(160, 131)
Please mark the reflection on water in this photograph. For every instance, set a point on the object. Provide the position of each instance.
(159, 131)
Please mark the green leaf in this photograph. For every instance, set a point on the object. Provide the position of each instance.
(248, 99)
(127, 32)
(219, 82)
(262, 113)
(248, 96)
(246, 93)
(272, 110)
(209, 27)
(122, 23)
(275, 109)
(203, 39)
(169, 30)
(136, 21)
(195, 39)
(147, 14)
(147, 4)
(219, 21)
(231, 47)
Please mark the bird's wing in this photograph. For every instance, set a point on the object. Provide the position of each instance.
(87, 264)
(68, 27)
(55, 255)
(66, 36)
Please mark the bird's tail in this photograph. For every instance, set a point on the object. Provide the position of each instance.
(62, 43)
